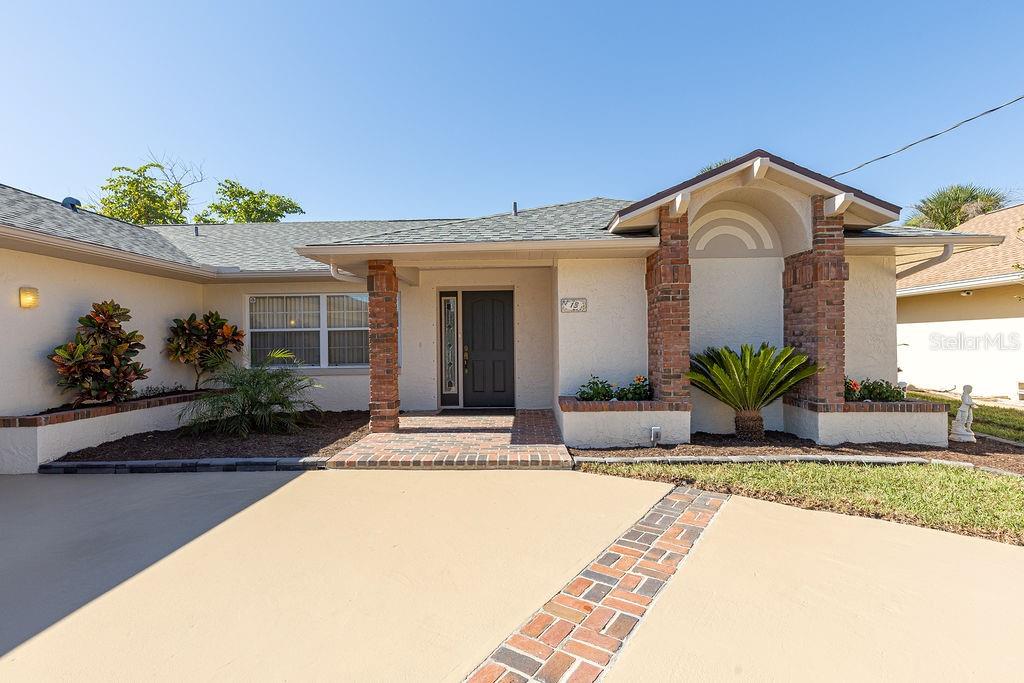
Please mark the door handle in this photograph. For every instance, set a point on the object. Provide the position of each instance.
(465, 359)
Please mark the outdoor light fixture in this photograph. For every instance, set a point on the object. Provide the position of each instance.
(28, 297)
(966, 292)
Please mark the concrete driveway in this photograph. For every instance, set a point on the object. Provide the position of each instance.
(324, 575)
(776, 593)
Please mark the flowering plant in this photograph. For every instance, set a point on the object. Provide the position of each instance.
(637, 390)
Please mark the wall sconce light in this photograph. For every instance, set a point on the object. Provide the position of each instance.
(28, 297)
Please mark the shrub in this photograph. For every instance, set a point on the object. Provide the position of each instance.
(261, 399)
(204, 343)
(596, 389)
(637, 390)
(877, 390)
(851, 389)
(748, 381)
(98, 363)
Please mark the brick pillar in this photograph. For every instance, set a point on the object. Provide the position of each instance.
(382, 285)
(814, 302)
(668, 311)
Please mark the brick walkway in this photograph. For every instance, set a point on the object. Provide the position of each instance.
(529, 438)
(575, 636)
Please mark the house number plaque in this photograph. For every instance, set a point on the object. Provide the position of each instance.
(574, 305)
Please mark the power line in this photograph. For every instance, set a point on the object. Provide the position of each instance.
(930, 137)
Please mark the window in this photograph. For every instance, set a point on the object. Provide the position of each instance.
(322, 330)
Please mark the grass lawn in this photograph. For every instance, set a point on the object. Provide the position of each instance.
(1006, 423)
(937, 496)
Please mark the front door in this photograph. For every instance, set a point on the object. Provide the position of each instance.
(487, 359)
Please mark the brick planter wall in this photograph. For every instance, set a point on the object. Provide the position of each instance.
(28, 441)
(814, 304)
(668, 311)
(571, 404)
(382, 284)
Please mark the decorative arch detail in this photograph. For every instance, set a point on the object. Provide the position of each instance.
(747, 223)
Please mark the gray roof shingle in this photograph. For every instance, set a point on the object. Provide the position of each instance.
(582, 220)
(26, 211)
(905, 231)
(270, 246)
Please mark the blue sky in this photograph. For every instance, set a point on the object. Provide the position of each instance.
(405, 110)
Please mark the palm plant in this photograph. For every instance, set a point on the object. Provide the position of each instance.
(950, 206)
(264, 398)
(750, 380)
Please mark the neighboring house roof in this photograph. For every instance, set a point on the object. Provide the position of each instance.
(582, 220)
(989, 264)
(267, 247)
(27, 211)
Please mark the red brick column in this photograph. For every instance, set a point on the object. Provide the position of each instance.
(814, 302)
(668, 311)
(382, 284)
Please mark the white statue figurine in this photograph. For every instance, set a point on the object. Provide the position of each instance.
(961, 430)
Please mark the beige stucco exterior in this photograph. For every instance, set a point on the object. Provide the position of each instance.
(871, 318)
(67, 289)
(947, 340)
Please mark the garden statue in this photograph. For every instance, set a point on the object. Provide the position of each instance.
(961, 430)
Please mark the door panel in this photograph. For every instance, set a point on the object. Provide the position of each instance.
(487, 337)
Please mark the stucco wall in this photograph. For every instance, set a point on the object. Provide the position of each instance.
(341, 388)
(871, 318)
(418, 381)
(836, 428)
(66, 291)
(948, 340)
(733, 301)
(622, 429)
(610, 339)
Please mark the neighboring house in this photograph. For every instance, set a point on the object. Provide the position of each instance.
(961, 322)
(510, 310)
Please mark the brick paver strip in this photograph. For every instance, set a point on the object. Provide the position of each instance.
(527, 439)
(578, 633)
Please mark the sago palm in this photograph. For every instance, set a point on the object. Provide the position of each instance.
(953, 205)
(749, 380)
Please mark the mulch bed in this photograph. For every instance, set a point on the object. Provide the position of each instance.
(326, 434)
(985, 452)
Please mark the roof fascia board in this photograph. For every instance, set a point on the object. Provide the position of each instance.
(520, 245)
(972, 283)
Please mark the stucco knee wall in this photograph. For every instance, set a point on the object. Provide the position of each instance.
(67, 290)
(829, 429)
(23, 449)
(871, 318)
(615, 429)
(610, 339)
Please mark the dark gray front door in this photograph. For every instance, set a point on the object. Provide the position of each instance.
(487, 341)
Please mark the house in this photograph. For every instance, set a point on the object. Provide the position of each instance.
(962, 321)
(510, 310)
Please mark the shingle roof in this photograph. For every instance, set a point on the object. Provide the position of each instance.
(582, 220)
(270, 246)
(999, 260)
(24, 210)
(902, 231)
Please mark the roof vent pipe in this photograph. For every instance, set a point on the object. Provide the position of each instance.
(515, 208)
(71, 203)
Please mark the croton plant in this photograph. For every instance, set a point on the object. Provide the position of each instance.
(204, 343)
(99, 363)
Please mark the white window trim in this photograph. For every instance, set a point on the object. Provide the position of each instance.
(351, 368)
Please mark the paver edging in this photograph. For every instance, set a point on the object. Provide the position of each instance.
(579, 632)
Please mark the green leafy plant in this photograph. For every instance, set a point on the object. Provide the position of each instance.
(267, 398)
(950, 206)
(596, 389)
(99, 362)
(749, 380)
(877, 390)
(637, 390)
(239, 204)
(204, 343)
